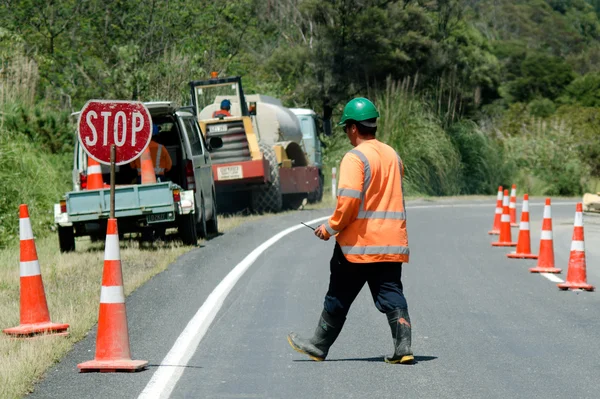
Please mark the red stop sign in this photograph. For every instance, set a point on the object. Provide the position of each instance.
(126, 124)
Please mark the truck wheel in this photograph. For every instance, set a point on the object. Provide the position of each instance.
(212, 226)
(187, 229)
(201, 226)
(267, 198)
(317, 195)
(66, 239)
(293, 201)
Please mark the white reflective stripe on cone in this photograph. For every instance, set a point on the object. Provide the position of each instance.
(111, 251)
(577, 246)
(546, 235)
(524, 226)
(505, 218)
(505, 201)
(498, 210)
(25, 232)
(547, 212)
(94, 169)
(499, 195)
(578, 219)
(525, 207)
(512, 205)
(112, 294)
(31, 268)
(513, 192)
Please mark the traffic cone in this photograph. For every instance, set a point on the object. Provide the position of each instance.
(94, 175)
(496, 227)
(546, 258)
(576, 274)
(512, 206)
(148, 175)
(112, 341)
(35, 317)
(524, 242)
(505, 239)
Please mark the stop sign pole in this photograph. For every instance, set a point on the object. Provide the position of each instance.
(114, 132)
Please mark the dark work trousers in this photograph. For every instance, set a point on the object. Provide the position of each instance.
(347, 279)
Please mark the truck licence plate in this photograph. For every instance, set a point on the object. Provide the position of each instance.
(217, 128)
(160, 217)
(230, 172)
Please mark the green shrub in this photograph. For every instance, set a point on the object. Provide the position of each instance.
(549, 161)
(49, 130)
(29, 176)
(482, 159)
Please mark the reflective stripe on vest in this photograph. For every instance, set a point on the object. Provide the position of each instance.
(401, 166)
(348, 192)
(376, 250)
(157, 169)
(381, 215)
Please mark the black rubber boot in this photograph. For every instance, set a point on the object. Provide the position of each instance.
(399, 322)
(325, 335)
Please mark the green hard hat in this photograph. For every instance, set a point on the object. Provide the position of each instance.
(359, 109)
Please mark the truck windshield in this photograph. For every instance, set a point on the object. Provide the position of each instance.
(307, 125)
(207, 95)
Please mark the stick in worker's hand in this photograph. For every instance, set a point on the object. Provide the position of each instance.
(310, 227)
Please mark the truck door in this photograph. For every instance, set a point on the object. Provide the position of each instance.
(201, 161)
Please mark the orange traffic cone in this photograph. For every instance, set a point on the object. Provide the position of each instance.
(576, 274)
(112, 341)
(148, 175)
(94, 175)
(505, 239)
(35, 317)
(512, 206)
(496, 227)
(524, 242)
(546, 259)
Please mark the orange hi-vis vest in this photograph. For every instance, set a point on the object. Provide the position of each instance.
(370, 217)
(161, 158)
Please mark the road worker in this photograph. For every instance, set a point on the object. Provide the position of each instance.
(160, 158)
(224, 111)
(369, 225)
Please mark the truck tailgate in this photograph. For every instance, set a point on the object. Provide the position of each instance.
(134, 200)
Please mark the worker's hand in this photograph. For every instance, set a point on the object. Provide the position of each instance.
(322, 233)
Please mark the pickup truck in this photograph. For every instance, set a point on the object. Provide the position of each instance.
(185, 200)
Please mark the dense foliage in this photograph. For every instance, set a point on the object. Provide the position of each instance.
(473, 93)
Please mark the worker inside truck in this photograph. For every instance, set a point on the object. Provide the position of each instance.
(224, 111)
(161, 160)
(166, 134)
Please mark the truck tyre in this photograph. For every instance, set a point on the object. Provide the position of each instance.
(317, 195)
(267, 198)
(212, 226)
(201, 226)
(66, 239)
(187, 229)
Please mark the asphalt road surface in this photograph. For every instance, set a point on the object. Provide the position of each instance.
(483, 326)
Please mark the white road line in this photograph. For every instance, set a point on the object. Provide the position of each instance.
(172, 366)
(552, 277)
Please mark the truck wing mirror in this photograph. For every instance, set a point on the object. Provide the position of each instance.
(215, 143)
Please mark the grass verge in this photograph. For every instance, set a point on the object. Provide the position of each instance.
(72, 285)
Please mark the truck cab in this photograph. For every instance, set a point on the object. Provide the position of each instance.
(184, 198)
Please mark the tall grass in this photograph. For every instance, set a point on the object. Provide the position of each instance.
(35, 146)
(458, 159)
(432, 163)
